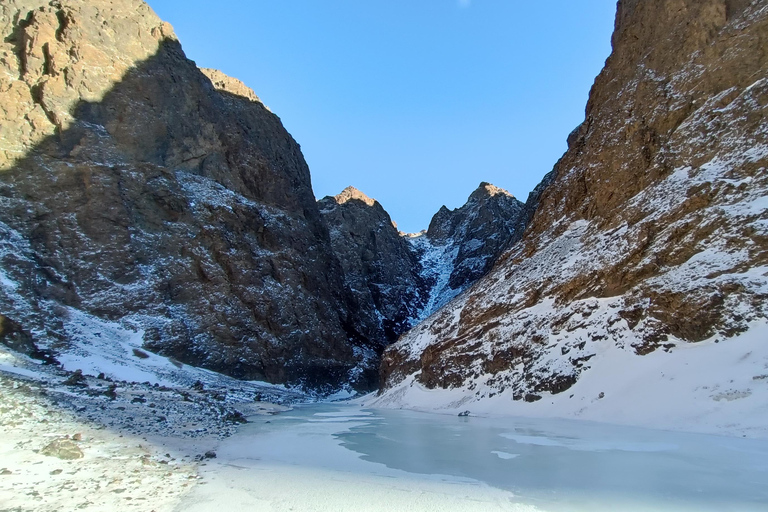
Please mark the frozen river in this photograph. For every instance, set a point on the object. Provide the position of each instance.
(347, 458)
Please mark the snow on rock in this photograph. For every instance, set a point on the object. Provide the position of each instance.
(137, 187)
(646, 253)
(462, 245)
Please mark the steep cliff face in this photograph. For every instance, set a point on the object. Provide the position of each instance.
(140, 189)
(380, 270)
(462, 245)
(650, 234)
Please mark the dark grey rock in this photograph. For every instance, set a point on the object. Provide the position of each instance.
(139, 189)
(380, 270)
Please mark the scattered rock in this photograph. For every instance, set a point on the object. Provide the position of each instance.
(235, 417)
(64, 449)
(76, 379)
(111, 392)
(140, 354)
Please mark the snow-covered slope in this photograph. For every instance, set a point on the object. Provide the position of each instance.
(647, 253)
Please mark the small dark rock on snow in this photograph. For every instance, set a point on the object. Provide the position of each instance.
(76, 379)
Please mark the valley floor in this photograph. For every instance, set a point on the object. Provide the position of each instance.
(346, 458)
(86, 443)
(72, 442)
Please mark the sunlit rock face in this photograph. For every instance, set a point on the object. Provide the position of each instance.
(651, 232)
(138, 188)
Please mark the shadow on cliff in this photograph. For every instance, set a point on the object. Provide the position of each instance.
(190, 211)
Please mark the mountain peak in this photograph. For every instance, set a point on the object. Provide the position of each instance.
(350, 193)
(486, 189)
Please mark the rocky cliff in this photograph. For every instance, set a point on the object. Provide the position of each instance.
(380, 269)
(651, 235)
(140, 189)
(462, 245)
(399, 279)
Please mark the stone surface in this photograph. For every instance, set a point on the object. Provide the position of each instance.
(64, 449)
(488, 223)
(399, 279)
(462, 245)
(379, 267)
(651, 230)
(135, 189)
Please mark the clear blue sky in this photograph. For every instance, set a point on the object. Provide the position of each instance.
(414, 102)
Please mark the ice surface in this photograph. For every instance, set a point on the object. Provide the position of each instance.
(345, 458)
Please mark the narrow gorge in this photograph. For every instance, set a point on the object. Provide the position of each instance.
(141, 192)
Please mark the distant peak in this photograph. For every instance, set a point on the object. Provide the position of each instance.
(488, 190)
(353, 193)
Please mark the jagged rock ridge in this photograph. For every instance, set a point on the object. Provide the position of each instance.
(142, 190)
(399, 279)
(462, 245)
(651, 231)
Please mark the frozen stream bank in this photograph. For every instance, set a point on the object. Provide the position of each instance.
(346, 458)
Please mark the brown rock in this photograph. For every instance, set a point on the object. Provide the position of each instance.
(63, 449)
(136, 185)
(656, 209)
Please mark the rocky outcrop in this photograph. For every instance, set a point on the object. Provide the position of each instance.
(649, 234)
(462, 245)
(139, 189)
(399, 279)
(487, 224)
(229, 85)
(380, 270)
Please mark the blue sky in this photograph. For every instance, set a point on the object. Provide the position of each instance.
(414, 102)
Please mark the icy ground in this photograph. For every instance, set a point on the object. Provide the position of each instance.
(117, 428)
(348, 458)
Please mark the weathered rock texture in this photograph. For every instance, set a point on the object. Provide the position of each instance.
(380, 270)
(653, 229)
(400, 279)
(488, 223)
(135, 189)
(462, 245)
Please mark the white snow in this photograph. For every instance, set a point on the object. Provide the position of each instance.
(98, 346)
(505, 455)
(711, 387)
(438, 262)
